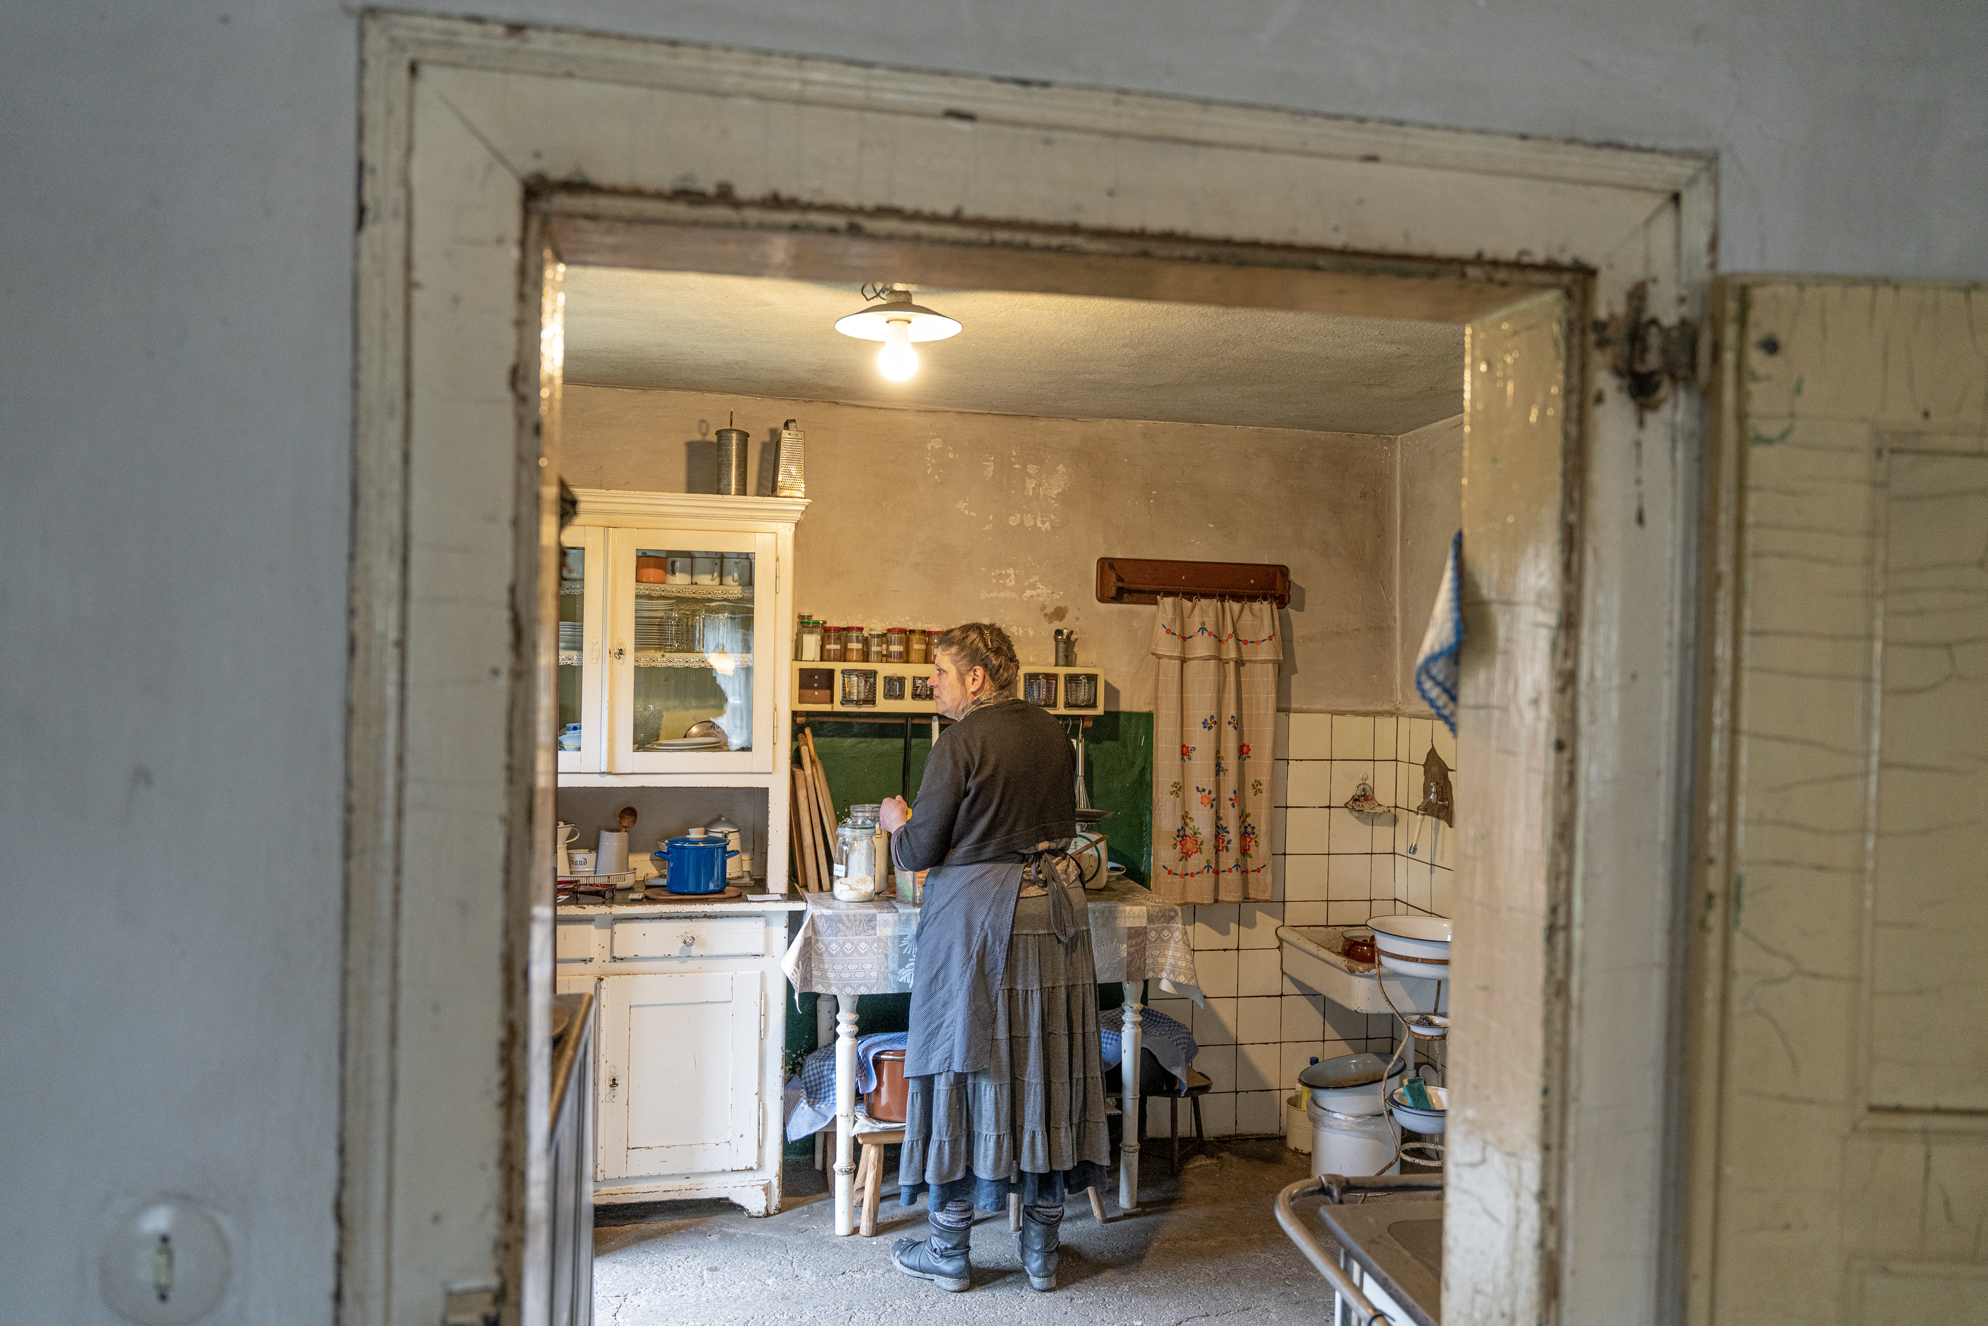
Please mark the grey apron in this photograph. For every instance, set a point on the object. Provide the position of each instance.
(963, 932)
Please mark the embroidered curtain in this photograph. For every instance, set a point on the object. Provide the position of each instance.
(1214, 733)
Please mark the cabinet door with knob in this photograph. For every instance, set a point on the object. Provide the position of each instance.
(680, 1070)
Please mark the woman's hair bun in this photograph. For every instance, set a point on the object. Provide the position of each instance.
(986, 646)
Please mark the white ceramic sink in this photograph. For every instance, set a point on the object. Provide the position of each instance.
(1312, 959)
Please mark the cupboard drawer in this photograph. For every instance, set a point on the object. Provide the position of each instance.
(664, 938)
(574, 941)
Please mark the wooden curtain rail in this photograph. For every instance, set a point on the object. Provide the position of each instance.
(1133, 580)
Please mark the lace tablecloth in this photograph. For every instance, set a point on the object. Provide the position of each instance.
(859, 948)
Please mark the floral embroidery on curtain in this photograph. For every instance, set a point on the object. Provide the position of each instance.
(1214, 721)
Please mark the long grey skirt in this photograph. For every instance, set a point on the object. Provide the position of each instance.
(1034, 1121)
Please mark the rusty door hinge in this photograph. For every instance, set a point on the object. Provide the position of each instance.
(1646, 356)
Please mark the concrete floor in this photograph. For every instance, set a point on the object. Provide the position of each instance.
(1206, 1247)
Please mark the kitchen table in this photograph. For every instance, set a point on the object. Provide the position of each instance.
(846, 949)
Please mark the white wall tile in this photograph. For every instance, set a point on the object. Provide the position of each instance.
(1300, 1019)
(1307, 913)
(1420, 732)
(1259, 1021)
(1348, 913)
(1277, 860)
(1305, 878)
(1418, 886)
(1347, 775)
(1215, 1023)
(1280, 782)
(1283, 734)
(1305, 830)
(1219, 1063)
(1218, 1114)
(1217, 969)
(1159, 1126)
(1384, 729)
(1342, 1023)
(1259, 1113)
(1260, 1067)
(1445, 743)
(1404, 739)
(1298, 1056)
(1256, 924)
(1280, 827)
(1352, 737)
(1310, 783)
(1380, 1025)
(1441, 900)
(1348, 834)
(1399, 866)
(1349, 877)
(1180, 1010)
(1311, 737)
(1213, 926)
(1259, 971)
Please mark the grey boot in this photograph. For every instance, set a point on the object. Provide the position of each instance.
(1038, 1242)
(940, 1259)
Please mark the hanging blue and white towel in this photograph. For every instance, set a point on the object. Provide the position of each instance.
(1436, 661)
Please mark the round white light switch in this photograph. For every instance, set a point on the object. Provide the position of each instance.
(165, 1264)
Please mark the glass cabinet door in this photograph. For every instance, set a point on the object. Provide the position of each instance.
(688, 692)
(582, 575)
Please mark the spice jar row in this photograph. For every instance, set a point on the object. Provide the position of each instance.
(817, 642)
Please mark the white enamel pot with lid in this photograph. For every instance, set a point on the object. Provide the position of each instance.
(1413, 945)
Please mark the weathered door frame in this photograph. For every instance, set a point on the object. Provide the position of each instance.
(448, 946)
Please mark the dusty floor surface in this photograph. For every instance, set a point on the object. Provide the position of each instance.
(1206, 1247)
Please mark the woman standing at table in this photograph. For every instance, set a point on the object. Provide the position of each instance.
(1003, 1064)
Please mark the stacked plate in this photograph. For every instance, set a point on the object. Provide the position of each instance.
(689, 743)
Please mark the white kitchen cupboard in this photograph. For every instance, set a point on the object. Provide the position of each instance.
(689, 1046)
(651, 659)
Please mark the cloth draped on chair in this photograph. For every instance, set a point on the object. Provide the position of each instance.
(1214, 735)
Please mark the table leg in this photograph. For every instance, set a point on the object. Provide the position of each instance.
(1129, 1042)
(845, 1119)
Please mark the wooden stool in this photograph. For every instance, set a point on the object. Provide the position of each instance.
(870, 1174)
(1156, 1083)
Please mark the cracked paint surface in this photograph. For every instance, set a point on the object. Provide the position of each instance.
(1853, 1126)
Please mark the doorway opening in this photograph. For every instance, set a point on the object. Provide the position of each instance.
(1110, 395)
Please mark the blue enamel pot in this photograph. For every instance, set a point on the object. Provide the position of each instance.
(697, 865)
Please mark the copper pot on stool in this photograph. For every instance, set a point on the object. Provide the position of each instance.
(887, 1100)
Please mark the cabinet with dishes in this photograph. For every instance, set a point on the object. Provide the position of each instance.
(674, 647)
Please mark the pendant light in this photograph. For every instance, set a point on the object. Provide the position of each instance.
(897, 322)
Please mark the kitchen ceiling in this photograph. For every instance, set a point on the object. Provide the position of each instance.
(1061, 356)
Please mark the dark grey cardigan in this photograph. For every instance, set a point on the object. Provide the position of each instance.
(999, 782)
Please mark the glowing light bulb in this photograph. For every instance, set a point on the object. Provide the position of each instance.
(897, 360)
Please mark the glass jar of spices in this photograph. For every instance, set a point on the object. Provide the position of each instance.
(897, 644)
(879, 645)
(831, 644)
(853, 645)
(807, 646)
(921, 647)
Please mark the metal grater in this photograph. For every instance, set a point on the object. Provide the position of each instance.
(792, 479)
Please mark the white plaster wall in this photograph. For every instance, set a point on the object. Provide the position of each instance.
(174, 427)
(928, 518)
